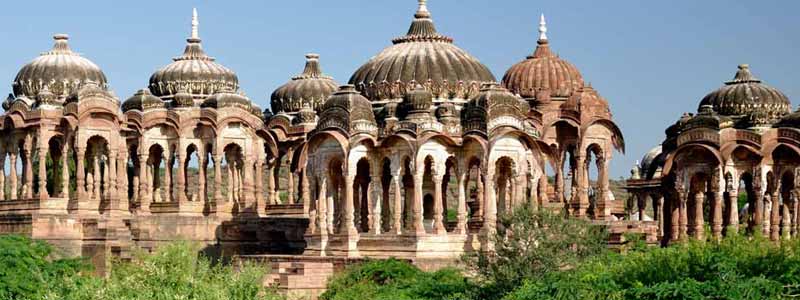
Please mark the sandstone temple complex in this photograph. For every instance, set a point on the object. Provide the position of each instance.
(414, 157)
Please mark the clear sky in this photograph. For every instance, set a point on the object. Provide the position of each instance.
(652, 60)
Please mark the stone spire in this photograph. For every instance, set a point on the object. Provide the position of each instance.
(195, 22)
(422, 11)
(542, 28)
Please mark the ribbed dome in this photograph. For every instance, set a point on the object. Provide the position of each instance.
(60, 70)
(746, 97)
(422, 56)
(543, 71)
(142, 100)
(311, 87)
(349, 111)
(193, 71)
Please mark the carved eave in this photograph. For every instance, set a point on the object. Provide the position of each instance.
(699, 135)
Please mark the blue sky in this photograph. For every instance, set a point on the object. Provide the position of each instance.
(652, 60)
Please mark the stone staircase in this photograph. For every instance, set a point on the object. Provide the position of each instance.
(299, 279)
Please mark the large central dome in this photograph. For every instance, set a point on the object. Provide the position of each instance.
(422, 56)
(193, 72)
(748, 99)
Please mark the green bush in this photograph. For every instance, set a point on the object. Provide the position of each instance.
(393, 279)
(529, 245)
(28, 270)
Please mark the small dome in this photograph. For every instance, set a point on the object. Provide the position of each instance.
(59, 70)
(193, 71)
(418, 103)
(791, 120)
(349, 111)
(653, 159)
(142, 100)
(745, 97)
(421, 56)
(543, 71)
(494, 103)
(706, 117)
(311, 87)
(228, 99)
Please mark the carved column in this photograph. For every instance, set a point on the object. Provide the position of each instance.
(168, 165)
(699, 197)
(304, 185)
(181, 158)
(246, 182)
(675, 216)
(397, 224)
(480, 197)
(260, 203)
(202, 164)
(461, 225)
(218, 200)
(376, 191)
(580, 203)
(64, 171)
(775, 216)
(271, 184)
(758, 211)
(322, 204)
(348, 227)
(641, 205)
(658, 207)
(122, 181)
(733, 211)
(43, 195)
(144, 199)
(28, 171)
(602, 205)
(490, 212)
(533, 201)
(419, 227)
(438, 207)
(559, 188)
(2, 172)
(716, 212)
(111, 170)
(785, 220)
(80, 174)
(96, 175)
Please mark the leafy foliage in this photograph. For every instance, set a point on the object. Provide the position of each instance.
(28, 272)
(393, 279)
(530, 244)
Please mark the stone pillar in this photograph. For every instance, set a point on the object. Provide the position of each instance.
(796, 215)
(218, 200)
(111, 170)
(603, 207)
(122, 181)
(559, 188)
(480, 197)
(260, 204)
(80, 176)
(698, 214)
(419, 227)
(182, 159)
(461, 225)
(580, 203)
(202, 164)
(304, 185)
(438, 207)
(271, 184)
(785, 221)
(322, 205)
(246, 182)
(28, 171)
(733, 211)
(64, 171)
(533, 201)
(641, 204)
(658, 208)
(348, 227)
(96, 175)
(716, 214)
(758, 211)
(490, 212)
(2, 173)
(376, 193)
(169, 163)
(290, 186)
(397, 224)
(43, 195)
(775, 216)
(675, 216)
(144, 199)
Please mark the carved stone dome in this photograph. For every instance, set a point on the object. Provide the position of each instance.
(59, 70)
(748, 99)
(543, 72)
(422, 56)
(311, 87)
(349, 111)
(196, 72)
(142, 100)
(417, 103)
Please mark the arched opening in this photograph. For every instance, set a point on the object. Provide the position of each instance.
(191, 173)
(698, 208)
(504, 184)
(787, 204)
(388, 207)
(596, 189)
(474, 190)
(745, 201)
(428, 188)
(233, 165)
(450, 194)
(156, 172)
(361, 194)
(132, 166)
(335, 191)
(407, 194)
(283, 179)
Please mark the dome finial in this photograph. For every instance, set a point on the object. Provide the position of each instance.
(542, 28)
(422, 10)
(195, 22)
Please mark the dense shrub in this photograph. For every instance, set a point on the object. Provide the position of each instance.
(27, 270)
(175, 271)
(396, 280)
(735, 268)
(529, 245)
